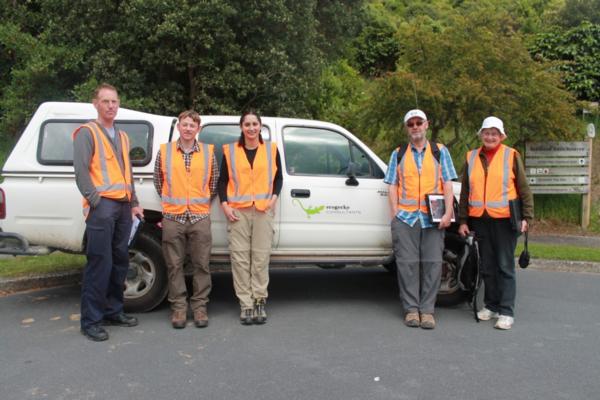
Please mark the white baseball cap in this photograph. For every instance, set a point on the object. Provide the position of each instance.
(492, 122)
(415, 113)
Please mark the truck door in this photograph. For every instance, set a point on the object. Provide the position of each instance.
(323, 210)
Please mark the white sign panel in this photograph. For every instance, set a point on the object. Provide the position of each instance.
(559, 162)
(557, 149)
(558, 180)
(577, 171)
(560, 189)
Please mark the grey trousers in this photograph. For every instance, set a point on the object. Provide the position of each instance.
(418, 255)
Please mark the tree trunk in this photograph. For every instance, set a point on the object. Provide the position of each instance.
(192, 83)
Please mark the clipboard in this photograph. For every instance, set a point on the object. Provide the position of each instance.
(436, 207)
(516, 213)
(135, 230)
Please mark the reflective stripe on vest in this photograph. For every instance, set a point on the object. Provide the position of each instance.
(106, 174)
(491, 192)
(186, 190)
(250, 185)
(413, 185)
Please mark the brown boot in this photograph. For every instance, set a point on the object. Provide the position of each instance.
(427, 321)
(200, 318)
(179, 319)
(412, 319)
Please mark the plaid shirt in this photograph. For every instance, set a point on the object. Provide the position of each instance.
(187, 158)
(391, 178)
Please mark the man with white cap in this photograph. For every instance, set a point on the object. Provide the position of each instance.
(493, 177)
(415, 170)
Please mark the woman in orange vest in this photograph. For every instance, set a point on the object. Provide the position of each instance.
(493, 178)
(249, 184)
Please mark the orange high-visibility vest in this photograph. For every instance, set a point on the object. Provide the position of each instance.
(106, 174)
(492, 191)
(186, 190)
(250, 185)
(414, 186)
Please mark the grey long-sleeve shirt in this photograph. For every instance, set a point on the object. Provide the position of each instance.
(83, 150)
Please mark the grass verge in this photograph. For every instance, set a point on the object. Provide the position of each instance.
(18, 266)
(560, 252)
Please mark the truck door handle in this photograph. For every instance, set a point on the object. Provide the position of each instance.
(304, 193)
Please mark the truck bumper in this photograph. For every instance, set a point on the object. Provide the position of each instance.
(15, 244)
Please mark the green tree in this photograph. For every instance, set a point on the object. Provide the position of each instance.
(218, 56)
(377, 48)
(576, 53)
(475, 67)
(575, 12)
(36, 71)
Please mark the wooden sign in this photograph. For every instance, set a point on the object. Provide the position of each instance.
(561, 168)
(559, 189)
(559, 162)
(576, 171)
(559, 180)
(557, 149)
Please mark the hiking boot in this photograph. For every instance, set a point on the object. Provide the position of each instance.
(120, 319)
(200, 318)
(246, 316)
(259, 315)
(95, 333)
(412, 319)
(427, 321)
(504, 322)
(485, 315)
(179, 319)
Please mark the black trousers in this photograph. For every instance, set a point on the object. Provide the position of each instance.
(497, 242)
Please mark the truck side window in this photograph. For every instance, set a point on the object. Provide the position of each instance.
(317, 151)
(55, 146)
(220, 134)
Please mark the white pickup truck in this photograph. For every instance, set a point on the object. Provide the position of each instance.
(332, 210)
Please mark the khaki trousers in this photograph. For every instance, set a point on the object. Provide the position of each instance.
(250, 241)
(195, 239)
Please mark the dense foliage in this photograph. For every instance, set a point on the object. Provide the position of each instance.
(577, 50)
(360, 63)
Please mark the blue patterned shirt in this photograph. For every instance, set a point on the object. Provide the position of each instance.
(391, 178)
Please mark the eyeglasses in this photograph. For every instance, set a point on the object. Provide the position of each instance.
(413, 124)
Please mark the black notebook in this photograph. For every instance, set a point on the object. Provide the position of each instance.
(515, 214)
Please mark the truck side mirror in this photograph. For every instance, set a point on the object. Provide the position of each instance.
(351, 173)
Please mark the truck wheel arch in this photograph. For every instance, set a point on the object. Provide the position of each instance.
(146, 284)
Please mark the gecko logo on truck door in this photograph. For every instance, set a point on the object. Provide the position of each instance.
(310, 210)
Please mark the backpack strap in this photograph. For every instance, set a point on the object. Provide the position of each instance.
(435, 150)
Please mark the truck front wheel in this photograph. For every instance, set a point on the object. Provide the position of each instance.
(146, 283)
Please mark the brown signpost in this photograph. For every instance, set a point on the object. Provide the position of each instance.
(561, 168)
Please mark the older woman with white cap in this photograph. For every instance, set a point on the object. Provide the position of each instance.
(493, 179)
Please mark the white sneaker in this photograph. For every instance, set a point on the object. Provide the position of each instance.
(504, 322)
(485, 315)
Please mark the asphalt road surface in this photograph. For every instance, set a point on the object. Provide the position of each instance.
(331, 334)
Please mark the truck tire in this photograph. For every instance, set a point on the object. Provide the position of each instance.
(450, 299)
(391, 266)
(146, 283)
